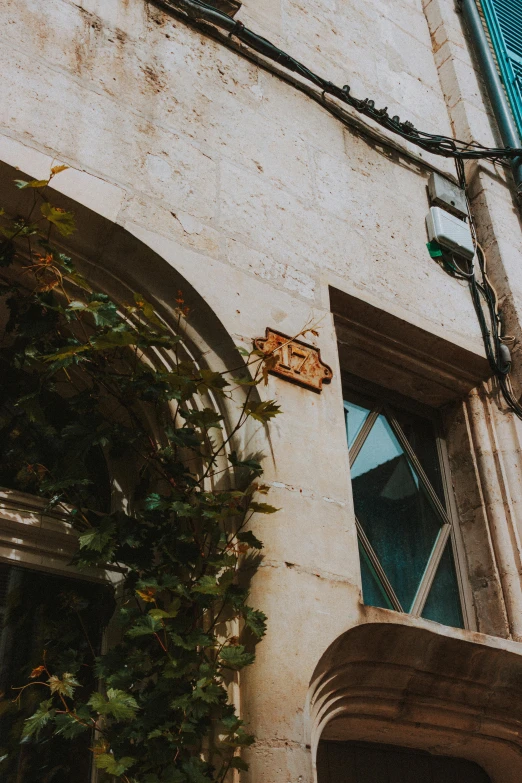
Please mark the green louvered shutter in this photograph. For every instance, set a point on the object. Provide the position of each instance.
(504, 22)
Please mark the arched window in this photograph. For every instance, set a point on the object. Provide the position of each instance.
(43, 597)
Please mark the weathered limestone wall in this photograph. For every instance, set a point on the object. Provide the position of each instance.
(222, 157)
(262, 200)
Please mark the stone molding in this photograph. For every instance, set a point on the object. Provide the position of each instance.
(387, 350)
(34, 537)
(484, 446)
(443, 690)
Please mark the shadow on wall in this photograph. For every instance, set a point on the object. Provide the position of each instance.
(445, 692)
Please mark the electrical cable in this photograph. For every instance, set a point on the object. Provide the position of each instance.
(483, 294)
(435, 144)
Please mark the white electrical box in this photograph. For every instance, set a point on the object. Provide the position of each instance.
(450, 232)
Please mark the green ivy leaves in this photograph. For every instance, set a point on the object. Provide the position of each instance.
(64, 685)
(63, 221)
(255, 621)
(263, 411)
(99, 537)
(34, 183)
(40, 719)
(82, 385)
(236, 657)
(145, 626)
(117, 703)
(112, 766)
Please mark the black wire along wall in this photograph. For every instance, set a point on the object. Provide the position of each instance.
(207, 18)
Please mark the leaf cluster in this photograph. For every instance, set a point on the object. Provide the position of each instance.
(81, 389)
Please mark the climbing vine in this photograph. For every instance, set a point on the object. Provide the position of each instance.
(82, 381)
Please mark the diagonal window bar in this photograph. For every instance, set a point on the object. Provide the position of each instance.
(431, 570)
(381, 574)
(363, 433)
(403, 482)
(417, 465)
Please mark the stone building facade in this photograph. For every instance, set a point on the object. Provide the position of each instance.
(193, 166)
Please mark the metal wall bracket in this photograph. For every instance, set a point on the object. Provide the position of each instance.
(229, 7)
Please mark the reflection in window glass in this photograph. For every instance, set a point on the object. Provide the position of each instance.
(373, 591)
(394, 510)
(422, 438)
(443, 604)
(355, 418)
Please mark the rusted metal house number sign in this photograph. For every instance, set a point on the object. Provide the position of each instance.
(295, 361)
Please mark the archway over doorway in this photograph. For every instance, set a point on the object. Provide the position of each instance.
(428, 689)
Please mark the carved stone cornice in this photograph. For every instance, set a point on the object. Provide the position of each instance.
(36, 538)
(389, 351)
(433, 688)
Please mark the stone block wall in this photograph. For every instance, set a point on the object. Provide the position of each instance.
(224, 158)
(263, 201)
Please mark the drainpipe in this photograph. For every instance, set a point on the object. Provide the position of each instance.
(497, 96)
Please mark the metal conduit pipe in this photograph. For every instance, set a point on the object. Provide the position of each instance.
(497, 96)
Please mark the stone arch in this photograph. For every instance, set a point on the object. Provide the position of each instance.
(431, 688)
(119, 262)
(115, 261)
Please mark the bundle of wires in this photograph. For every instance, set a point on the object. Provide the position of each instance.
(483, 294)
(486, 304)
(448, 147)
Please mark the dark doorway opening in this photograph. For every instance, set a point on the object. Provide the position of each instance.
(363, 762)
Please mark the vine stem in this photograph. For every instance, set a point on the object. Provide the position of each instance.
(165, 544)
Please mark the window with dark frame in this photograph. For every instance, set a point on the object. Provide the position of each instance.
(407, 538)
(80, 610)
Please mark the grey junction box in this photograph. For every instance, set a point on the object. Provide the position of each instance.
(446, 194)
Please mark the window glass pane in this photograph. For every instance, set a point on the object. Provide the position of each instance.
(355, 418)
(373, 591)
(64, 617)
(422, 436)
(394, 510)
(443, 604)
